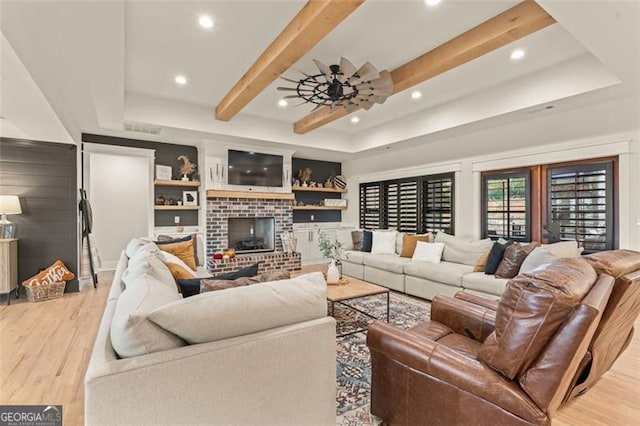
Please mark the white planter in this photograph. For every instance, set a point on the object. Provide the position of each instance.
(333, 273)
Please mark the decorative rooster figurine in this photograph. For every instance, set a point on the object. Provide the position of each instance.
(187, 167)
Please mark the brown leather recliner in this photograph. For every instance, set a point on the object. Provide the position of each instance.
(475, 365)
(615, 329)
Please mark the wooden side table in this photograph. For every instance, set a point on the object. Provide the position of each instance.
(8, 267)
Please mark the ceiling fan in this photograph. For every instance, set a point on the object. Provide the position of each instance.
(342, 85)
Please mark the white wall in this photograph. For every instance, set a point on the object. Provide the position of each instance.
(414, 161)
(119, 182)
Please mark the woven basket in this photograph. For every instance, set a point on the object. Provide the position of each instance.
(43, 292)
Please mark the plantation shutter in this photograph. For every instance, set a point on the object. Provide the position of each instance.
(437, 203)
(401, 205)
(370, 208)
(580, 204)
(506, 202)
(392, 205)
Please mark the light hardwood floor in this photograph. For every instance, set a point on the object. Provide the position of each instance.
(45, 348)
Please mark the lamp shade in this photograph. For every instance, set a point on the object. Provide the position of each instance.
(10, 204)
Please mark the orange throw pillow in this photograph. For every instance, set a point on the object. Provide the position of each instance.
(178, 272)
(481, 263)
(409, 243)
(183, 250)
(53, 274)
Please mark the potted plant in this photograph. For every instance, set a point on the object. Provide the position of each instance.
(330, 249)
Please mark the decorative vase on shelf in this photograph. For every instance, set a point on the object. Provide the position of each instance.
(333, 273)
(185, 178)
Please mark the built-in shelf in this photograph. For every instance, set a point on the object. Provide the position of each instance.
(214, 193)
(185, 183)
(307, 189)
(318, 208)
(176, 207)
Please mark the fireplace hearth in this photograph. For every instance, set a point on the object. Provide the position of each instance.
(251, 235)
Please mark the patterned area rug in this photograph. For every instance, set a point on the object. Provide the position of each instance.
(354, 362)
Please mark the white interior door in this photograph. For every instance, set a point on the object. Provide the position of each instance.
(119, 184)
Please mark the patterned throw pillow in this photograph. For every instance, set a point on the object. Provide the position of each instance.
(356, 236)
(53, 274)
(217, 284)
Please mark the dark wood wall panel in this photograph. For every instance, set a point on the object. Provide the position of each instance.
(44, 176)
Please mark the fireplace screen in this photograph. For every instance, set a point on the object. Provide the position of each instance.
(250, 235)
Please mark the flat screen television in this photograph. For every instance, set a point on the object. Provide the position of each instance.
(254, 168)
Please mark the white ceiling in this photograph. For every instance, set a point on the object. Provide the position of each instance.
(100, 64)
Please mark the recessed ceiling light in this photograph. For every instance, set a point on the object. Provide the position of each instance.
(205, 21)
(416, 95)
(517, 54)
(355, 120)
(181, 80)
(282, 103)
(432, 2)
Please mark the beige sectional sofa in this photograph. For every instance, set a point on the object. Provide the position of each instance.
(262, 354)
(426, 280)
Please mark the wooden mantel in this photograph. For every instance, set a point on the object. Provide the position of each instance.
(215, 193)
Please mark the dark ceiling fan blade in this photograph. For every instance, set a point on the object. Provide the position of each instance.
(347, 69)
(300, 104)
(325, 70)
(291, 97)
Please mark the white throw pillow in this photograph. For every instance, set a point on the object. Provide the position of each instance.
(428, 252)
(383, 242)
(344, 238)
(237, 311)
(563, 249)
(549, 253)
(132, 334)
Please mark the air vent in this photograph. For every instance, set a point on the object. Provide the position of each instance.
(142, 128)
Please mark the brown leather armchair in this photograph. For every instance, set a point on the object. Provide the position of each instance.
(471, 364)
(615, 329)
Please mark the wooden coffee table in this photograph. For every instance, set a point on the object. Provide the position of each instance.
(355, 289)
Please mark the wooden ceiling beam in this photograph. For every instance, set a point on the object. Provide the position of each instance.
(521, 20)
(314, 21)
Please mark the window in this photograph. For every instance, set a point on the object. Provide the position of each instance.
(402, 205)
(580, 205)
(553, 202)
(414, 205)
(370, 199)
(437, 203)
(506, 212)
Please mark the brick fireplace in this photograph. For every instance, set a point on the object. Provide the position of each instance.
(223, 205)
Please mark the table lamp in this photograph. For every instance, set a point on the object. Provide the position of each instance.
(9, 204)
